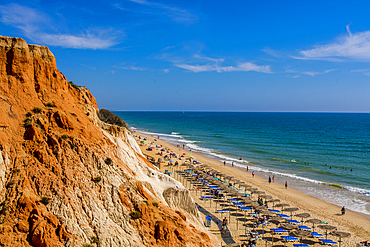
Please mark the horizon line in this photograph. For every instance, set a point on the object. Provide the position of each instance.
(233, 111)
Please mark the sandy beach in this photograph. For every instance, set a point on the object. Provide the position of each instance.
(356, 224)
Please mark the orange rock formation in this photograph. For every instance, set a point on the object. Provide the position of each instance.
(68, 179)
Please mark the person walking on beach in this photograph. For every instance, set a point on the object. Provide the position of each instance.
(269, 179)
(253, 173)
(343, 210)
(286, 184)
(224, 225)
(273, 179)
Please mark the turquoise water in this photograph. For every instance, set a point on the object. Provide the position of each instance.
(314, 152)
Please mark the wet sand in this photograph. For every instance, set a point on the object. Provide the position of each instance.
(356, 224)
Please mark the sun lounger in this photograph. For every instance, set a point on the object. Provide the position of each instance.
(289, 238)
(316, 234)
(293, 221)
(304, 227)
(300, 245)
(274, 210)
(283, 215)
(278, 230)
(328, 241)
(245, 208)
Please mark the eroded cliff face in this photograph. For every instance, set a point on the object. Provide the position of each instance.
(66, 178)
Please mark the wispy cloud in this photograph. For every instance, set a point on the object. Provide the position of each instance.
(34, 25)
(273, 53)
(174, 13)
(352, 46)
(314, 73)
(134, 68)
(362, 71)
(90, 67)
(188, 56)
(216, 67)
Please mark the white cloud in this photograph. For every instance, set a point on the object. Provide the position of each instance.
(176, 14)
(90, 67)
(313, 73)
(166, 71)
(188, 56)
(83, 41)
(134, 68)
(352, 46)
(215, 67)
(363, 71)
(33, 24)
(360, 70)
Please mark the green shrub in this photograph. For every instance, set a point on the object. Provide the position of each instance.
(73, 85)
(97, 179)
(111, 118)
(45, 200)
(94, 240)
(28, 114)
(135, 215)
(27, 122)
(87, 245)
(64, 137)
(50, 104)
(155, 204)
(37, 110)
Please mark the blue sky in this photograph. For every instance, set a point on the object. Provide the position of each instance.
(300, 56)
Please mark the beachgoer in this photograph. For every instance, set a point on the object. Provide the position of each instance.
(224, 163)
(343, 210)
(247, 168)
(224, 225)
(286, 184)
(273, 179)
(253, 174)
(269, 180)
(240, 158)
(254, 242)
(232, 164)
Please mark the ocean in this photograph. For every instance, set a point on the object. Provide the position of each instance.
(325, 155)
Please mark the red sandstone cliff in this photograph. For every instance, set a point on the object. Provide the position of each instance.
(66, 178)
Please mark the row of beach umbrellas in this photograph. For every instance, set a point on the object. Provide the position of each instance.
(232, 192)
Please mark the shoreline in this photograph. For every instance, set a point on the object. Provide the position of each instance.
(354, 222)
(332, 192)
